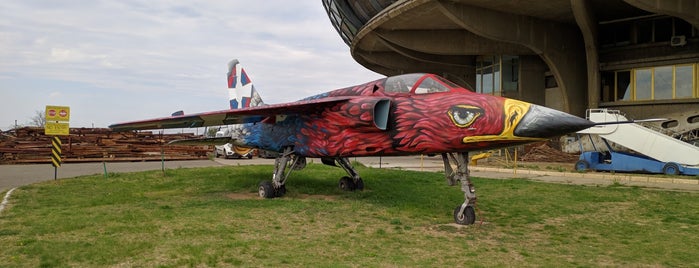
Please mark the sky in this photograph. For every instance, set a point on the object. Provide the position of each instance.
(116, 61)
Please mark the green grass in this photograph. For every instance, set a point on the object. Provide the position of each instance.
(212, 217)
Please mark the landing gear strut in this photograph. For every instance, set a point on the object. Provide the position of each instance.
(277, 187)
(347, 183)
(464, 214)
(354, 181)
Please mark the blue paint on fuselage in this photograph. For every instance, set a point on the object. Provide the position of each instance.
(275, 136)
(315, 97)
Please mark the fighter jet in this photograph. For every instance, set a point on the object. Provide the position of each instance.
(402, 115)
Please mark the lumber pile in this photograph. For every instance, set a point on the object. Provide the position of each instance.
(543, 152)
(30, 145)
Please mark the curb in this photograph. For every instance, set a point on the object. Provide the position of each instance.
(609, 177)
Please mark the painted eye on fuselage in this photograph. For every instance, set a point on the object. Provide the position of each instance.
(464, 115)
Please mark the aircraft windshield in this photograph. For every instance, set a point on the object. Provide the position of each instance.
(429, 85)
(401, 83)
(404, 83)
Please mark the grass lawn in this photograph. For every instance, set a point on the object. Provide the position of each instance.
(213, 217)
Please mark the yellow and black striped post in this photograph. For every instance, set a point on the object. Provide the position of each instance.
(55, 155)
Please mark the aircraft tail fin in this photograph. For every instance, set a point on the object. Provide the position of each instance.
(241, 91)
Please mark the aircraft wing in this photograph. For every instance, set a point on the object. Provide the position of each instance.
(229, 117)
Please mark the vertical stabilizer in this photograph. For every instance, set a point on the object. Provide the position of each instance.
(241, 91)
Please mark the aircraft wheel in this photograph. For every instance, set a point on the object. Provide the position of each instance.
(281, 191)
(266, 190)
(346, 184)
(671, 169)
(469, 216)
(359, 185)
(582, 165)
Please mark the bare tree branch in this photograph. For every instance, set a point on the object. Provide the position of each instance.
(38, 120)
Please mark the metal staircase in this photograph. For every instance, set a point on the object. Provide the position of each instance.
(646, 141)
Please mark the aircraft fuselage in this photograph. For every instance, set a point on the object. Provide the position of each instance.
(427, 116)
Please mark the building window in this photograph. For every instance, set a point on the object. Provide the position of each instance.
(497, 74)
(642, 81)
(343, 19)
(685, 81)
(662, 83)
(623, 85)
(654, 83)
(643, 31)
(510, 73)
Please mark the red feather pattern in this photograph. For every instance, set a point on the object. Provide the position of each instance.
(424, 126)
(420, 124)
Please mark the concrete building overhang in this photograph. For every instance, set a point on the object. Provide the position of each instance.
(432, 31)
(445, 36)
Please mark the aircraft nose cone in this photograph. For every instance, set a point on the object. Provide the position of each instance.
(543, 122)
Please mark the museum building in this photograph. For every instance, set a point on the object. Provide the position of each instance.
(637, 56)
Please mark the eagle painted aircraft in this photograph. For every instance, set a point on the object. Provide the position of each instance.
(400, 115)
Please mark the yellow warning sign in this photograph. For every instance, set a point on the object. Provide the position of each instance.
(57, 128)
(57, 118)
(57, 113)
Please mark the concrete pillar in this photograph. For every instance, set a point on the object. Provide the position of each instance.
(588, 27)
(559, 45)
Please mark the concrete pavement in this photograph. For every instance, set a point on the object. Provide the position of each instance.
(12, 176)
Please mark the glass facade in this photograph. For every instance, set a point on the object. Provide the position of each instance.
(651, 83)
(646, 31)
(348, 16)
(497, 74)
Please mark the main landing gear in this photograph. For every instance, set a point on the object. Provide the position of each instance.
(277, 187)
(347, 183)
(464, 213)
(288, 161)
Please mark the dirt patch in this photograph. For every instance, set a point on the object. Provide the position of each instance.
(448, 229)
(242, 196)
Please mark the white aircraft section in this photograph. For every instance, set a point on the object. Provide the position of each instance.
(641, 139)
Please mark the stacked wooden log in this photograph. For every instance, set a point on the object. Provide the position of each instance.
(30, 145)
(544, 152)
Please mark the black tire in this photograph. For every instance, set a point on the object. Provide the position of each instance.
(266, 190)
(346, 184)
(671, 169)
(468, 218)
(281, 191)
(359, 185)
(582, 165)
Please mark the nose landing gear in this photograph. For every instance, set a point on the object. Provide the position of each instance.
(465, 213)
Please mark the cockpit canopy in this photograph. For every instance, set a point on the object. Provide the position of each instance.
(417, 83)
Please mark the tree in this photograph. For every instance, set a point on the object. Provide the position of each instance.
(38, 120)
(211, 132)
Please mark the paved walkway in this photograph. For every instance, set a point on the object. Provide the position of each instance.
(590, 178)
(12, 176)
(17, 175)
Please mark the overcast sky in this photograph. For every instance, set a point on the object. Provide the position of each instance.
(115, 61)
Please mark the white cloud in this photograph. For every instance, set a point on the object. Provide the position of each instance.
(143, 53)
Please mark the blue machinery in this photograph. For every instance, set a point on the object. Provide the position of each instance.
(657, 153)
